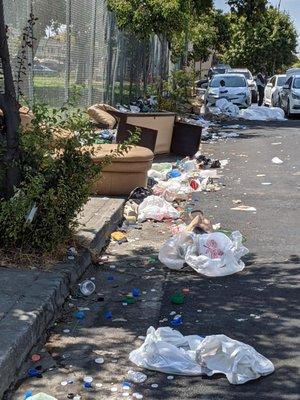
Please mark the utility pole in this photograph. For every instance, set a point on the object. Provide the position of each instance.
(279, 4)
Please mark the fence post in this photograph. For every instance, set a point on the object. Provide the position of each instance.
(30, 58)
(92, 54)
(68, 50)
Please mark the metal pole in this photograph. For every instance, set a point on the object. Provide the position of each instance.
(68, 50)
(30, 58)
(92, 54)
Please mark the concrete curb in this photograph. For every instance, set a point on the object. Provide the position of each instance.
(21, 329)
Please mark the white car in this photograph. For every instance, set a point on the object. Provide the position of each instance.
(273, 90)
(290, 96)
(232, 87)
(251, 82)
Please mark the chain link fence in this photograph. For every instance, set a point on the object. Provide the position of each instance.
(77, 46)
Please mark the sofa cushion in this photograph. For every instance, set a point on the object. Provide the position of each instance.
(137, 159)
(135, 154)
(101, 116)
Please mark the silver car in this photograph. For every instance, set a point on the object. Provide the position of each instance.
(232, 87)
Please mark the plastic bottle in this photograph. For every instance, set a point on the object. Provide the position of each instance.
(87, 287)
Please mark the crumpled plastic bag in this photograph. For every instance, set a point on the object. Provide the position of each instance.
(262, 113)
(173, 251)
(167, 350)
(215, 254)
(157, 208)
(41, 396)
(227, 108)
(174, 189)
(237, 360)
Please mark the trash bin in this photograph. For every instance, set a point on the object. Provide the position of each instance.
(186, 139)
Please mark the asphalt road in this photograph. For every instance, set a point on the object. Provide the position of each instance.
(259, 306)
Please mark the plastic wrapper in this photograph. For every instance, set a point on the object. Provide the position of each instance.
(157, 208)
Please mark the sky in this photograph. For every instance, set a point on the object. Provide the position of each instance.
(292, 7)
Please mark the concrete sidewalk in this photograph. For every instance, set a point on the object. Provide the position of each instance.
(31, 299)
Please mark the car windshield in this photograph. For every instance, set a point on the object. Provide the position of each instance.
(296, 83)
(218, 71)
(230, 81)
(281, 81)
(246, 74)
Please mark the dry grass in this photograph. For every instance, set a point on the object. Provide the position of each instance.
(20, 258)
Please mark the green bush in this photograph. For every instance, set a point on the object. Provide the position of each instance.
(174, 95)
(57, 177)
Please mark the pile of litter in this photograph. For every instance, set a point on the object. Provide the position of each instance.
(170, 183)
(253, 113)
(168, 351)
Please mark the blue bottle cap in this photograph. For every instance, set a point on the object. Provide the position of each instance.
(177, 321)
(79, 314)
(27, 394)
(136, 292)
(33, 372)
(108, 314)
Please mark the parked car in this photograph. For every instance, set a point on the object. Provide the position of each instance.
(251, 82)
(290, 96)
(232, 87)
(292, 71)
(273, 90)
(218, 69)
(42, 70)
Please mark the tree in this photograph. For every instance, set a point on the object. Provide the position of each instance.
(208, 34)
(10, 162)
(270, 41)
(155, 16)
(251, 9)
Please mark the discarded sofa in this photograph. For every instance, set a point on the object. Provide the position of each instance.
(125, 173)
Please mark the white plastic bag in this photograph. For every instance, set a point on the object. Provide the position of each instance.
(215, 254)
(227, 108)
(41, 396)
(237, 360)
(174, 189)
(168, 351)
(173, 252)
(157, 208)
(262, 113)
